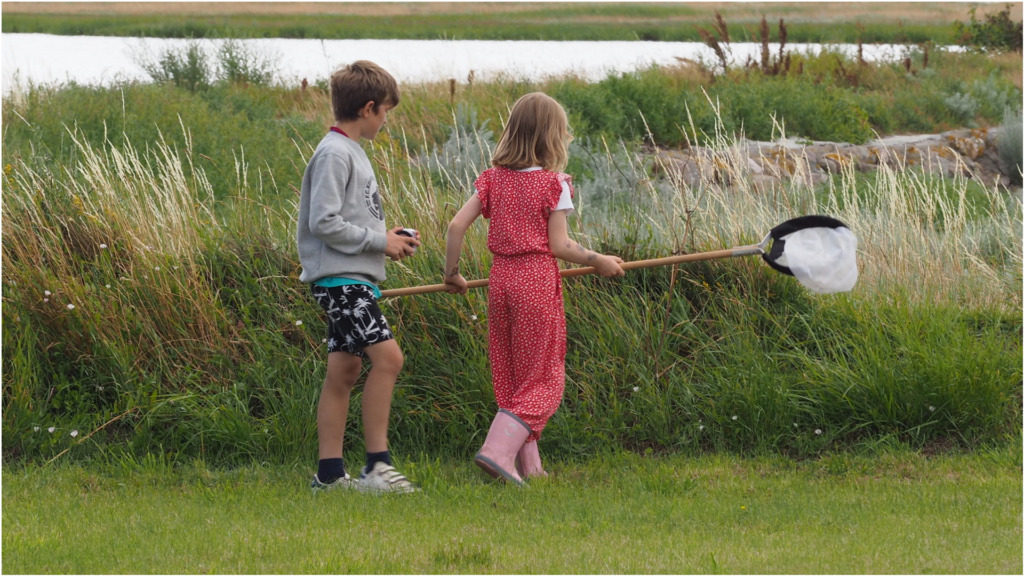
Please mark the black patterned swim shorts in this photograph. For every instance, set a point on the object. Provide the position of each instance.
(354, 320)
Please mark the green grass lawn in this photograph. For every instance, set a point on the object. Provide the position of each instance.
(893, 512)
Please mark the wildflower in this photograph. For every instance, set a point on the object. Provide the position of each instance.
(71, 306)
(51, 429)
(795, 425)
(107, 285)
(931, 408)
(636, 388)
(701, 427)
(35, 428)
(817, 431)
(473, 317)
(298, 322)
(734, 417)
(74, 433)
(157, 268)
(103, 246)
(47, 293)
(46, 299)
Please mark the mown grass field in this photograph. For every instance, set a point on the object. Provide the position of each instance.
(890, 512)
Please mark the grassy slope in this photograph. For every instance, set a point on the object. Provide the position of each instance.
(237, 285)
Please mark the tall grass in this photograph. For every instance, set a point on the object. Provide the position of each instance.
(151, 300)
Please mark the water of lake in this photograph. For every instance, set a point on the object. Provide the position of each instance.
(42, 59)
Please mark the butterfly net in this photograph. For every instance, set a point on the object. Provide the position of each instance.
(821, 252)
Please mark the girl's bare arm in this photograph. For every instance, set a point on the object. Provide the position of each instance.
(564, 248)
(456, 234)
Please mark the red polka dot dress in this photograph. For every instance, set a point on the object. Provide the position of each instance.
(526, 316)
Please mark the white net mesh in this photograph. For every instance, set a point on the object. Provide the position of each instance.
(823, 259)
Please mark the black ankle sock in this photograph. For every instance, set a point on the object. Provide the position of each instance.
(374, 457)
(330, 469)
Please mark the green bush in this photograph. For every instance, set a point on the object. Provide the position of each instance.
(239, 63)
(187, 67)
(1011, 156)
(997, 33)
(985, 98)
(194, 68)
(805, 108)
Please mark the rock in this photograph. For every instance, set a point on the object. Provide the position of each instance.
(762, 183)
(684, 168)
(770, 165)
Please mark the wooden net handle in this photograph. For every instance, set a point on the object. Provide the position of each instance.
(569, 272)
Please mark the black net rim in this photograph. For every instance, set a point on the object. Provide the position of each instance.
(790, 226)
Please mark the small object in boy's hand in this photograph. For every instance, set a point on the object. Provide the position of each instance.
(411, 233)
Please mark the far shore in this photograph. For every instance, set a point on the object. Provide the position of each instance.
(697, 12)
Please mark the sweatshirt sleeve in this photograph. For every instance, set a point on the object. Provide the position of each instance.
(326, 215)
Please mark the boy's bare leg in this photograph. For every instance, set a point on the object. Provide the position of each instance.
(387, 359)
(332, 412)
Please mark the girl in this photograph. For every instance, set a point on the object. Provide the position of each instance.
(527, 200)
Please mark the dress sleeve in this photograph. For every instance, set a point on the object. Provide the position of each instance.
(560, 197)
(564, 181)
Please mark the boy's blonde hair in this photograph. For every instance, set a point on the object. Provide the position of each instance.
(354, 85)
(536, 134)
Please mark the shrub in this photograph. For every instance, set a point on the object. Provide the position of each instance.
(986, 99)
(187, 67)
(193, 68)
(810, 110)
(465, 154)
(997, 33)
(963, 106)
(1011, 157)
(240, 63)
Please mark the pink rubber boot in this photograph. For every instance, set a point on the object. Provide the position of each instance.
(498, 454)
(528, 463)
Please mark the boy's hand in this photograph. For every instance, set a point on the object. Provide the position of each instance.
(456, 284)
(609, 266)
(400, 246)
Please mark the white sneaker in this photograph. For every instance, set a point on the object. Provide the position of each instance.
(384, 478)
(345, 481)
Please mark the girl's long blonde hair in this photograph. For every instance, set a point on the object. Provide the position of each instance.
(536, 134)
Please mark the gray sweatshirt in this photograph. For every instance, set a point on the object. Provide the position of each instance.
(341, 230)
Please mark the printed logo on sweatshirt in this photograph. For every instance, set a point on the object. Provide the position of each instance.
(371, 195)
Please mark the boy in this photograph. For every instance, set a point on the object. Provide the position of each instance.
(342, 243)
